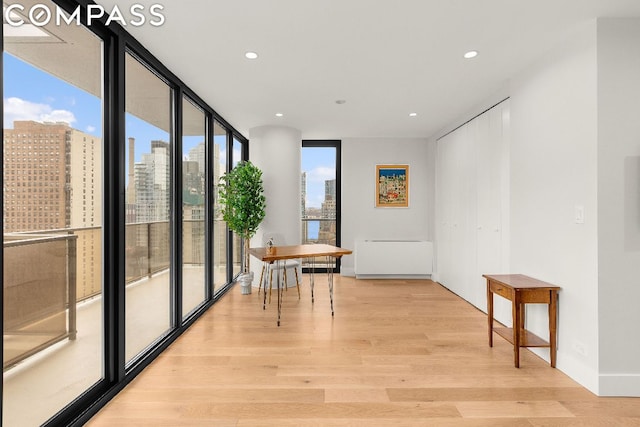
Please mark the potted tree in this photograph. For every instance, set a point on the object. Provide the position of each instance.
(243, 205)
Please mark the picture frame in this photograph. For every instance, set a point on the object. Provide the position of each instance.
(392, 186)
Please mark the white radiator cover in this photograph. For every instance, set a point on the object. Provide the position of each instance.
(393, 258)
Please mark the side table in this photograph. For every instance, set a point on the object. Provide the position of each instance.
(521, 290)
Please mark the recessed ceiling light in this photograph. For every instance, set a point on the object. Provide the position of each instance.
(251, 55)
(413, 114)
(340, 101)
(279, 114)
(471, 54)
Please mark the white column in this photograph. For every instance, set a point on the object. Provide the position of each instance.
(276, 150)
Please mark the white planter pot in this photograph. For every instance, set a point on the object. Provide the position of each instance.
(245, 280)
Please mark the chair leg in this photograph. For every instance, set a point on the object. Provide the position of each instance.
(261, 276)
(295, 270)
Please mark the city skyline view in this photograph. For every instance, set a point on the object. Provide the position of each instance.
(319, 165)
(55, 209)
(54, 100)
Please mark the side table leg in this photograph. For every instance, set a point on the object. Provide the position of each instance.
(515, 309)
(553, 312)
(490, 312)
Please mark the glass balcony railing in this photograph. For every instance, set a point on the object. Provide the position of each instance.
(318, 230)
(39, 286)
(45, 271)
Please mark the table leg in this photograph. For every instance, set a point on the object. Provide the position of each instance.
(330, 281)
(312, 278)
(553, 307)
(279, 290)
(490, 312)
(515, 309)
(264, 285)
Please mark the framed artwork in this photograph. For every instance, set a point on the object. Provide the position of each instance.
(392, 186)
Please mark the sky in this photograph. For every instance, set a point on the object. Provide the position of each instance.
(31, 94)
(320, 165)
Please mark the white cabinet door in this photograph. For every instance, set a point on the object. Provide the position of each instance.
(472, 204)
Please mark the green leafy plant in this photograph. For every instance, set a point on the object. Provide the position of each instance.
(242, 202)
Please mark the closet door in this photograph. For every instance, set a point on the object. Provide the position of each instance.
(472, 204)
(488, 203)
(456, 207)
(445, 172)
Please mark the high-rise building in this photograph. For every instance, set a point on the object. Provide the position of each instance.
(329, 204)
(53, 181)
(330, 189)
(36, 194)
(198, 154)
(151, 180)
(327, 230)
(85, 179)
(192, 179)
(52, 177)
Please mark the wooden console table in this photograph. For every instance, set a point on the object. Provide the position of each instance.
(521, 290)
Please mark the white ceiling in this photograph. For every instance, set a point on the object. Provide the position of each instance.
(386, 58)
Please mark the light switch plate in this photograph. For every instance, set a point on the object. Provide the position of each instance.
(579, 214)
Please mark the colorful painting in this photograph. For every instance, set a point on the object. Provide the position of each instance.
(392, 186)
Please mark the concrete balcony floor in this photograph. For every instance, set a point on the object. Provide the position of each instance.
(40, 386)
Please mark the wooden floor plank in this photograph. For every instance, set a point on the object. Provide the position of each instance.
(396, 353)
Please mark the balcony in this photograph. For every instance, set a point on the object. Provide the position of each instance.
(38, 283)
(318, 230)
(53, 348)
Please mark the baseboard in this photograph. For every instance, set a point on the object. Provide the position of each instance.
(350, 272)
(619, 385)
(394, 276)
(574, 367)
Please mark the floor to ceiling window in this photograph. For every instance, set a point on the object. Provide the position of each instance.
(110, 222)
(194, 194)
(149, 186)
(237, 154)
(219, 243)
(52, 235)
(320, 196)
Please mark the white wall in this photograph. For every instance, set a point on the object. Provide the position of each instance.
(276, 150)
(618, 205)
(360, 218)
(553, 169)
(575, 142)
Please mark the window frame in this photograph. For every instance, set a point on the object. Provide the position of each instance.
(337, 144)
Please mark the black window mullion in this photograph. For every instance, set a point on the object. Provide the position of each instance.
(230, 239)
(337, 144)
(209, 201)
(114, 286)
(176, 215)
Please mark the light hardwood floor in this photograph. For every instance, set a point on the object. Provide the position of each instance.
(397, 353)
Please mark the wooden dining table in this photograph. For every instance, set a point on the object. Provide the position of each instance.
(277, 254)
